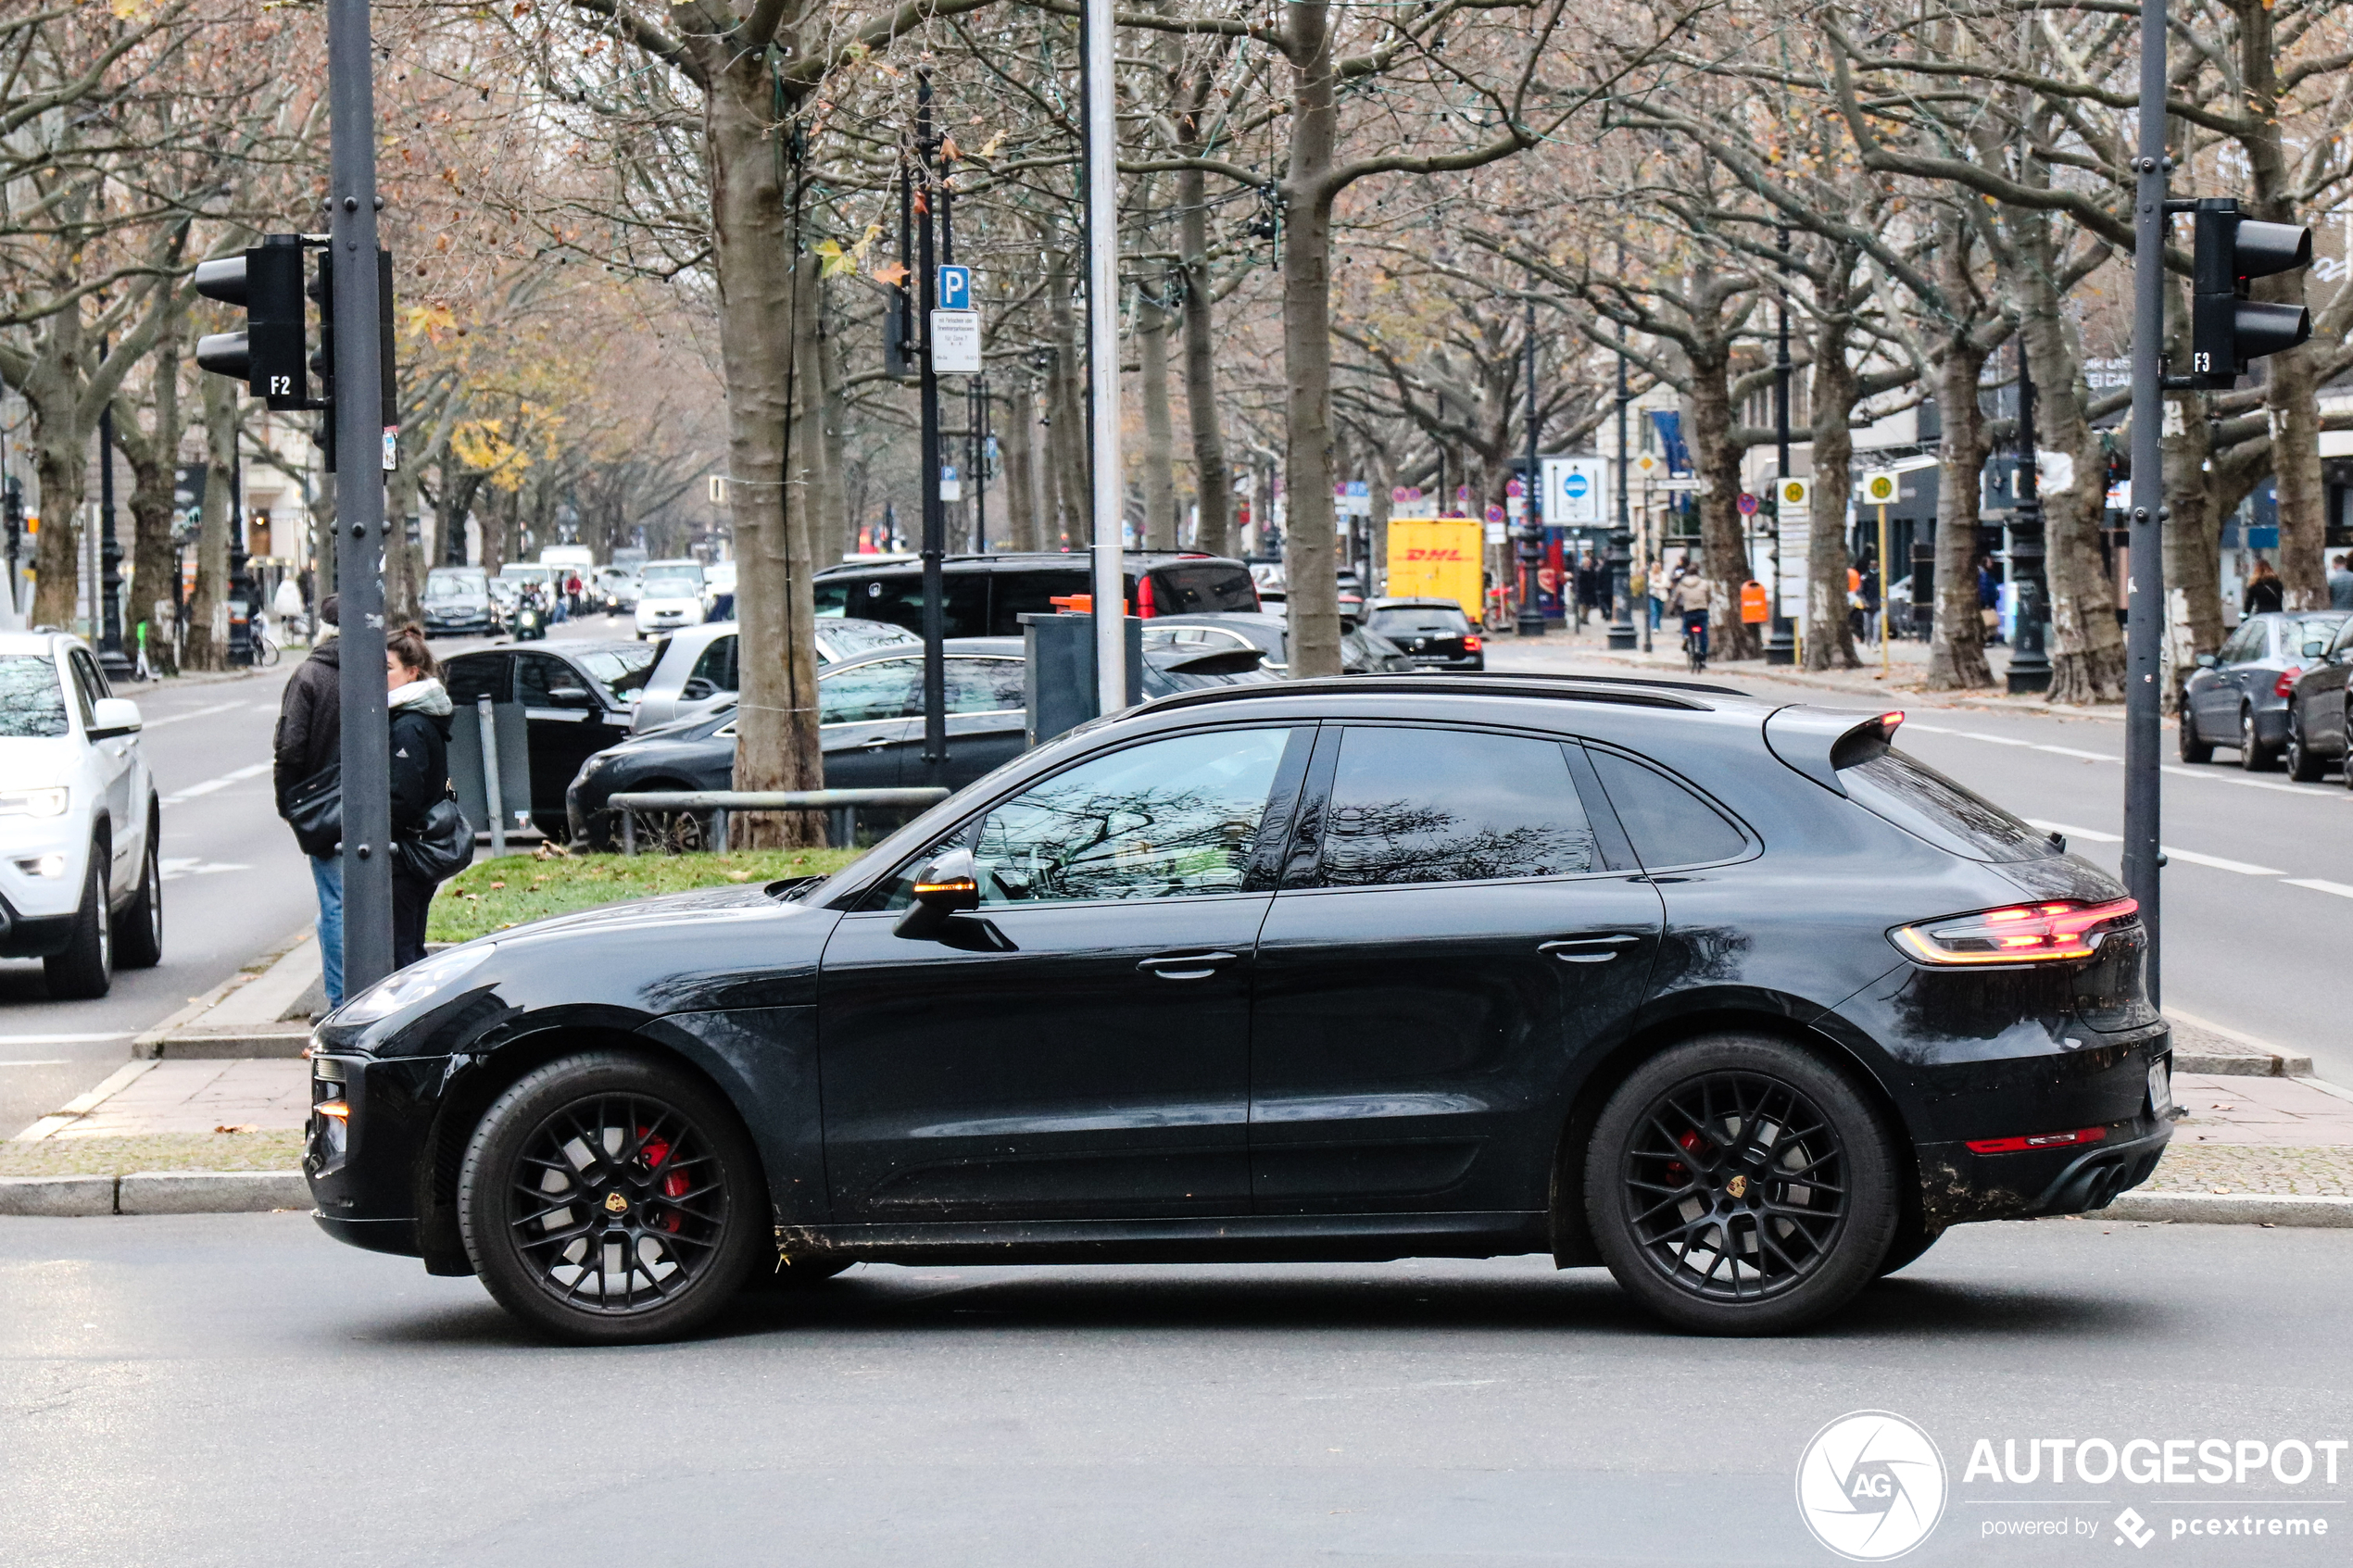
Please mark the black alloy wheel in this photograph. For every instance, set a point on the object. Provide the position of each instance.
(606, 1198)
(2253, 757)
(1739, 1186)
(2302, 766)
(2193, 748)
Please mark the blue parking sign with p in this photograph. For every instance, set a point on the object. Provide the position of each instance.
(955, 288)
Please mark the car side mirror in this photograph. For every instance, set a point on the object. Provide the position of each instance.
(114, 716)
(950, 886)
(2207, 661)
(2316, 649)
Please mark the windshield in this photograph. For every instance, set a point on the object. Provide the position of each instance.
(1441, 620)
(676, 581)
(619, 671)
(454, 585)
(33, 705)
(1917, 798)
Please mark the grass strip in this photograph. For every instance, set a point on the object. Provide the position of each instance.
(276, 1149)
(493, 894)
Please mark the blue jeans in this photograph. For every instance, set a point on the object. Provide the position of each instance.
(326, 876)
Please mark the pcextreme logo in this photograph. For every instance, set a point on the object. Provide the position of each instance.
(1871, 1485)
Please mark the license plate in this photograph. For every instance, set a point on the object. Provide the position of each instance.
(2160, 1088)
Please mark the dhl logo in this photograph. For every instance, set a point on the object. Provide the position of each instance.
(1420, 552)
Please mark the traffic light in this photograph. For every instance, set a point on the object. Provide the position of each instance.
(266, 356)
(2226, 328)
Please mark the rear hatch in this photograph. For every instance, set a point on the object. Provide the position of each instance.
(1432, 635)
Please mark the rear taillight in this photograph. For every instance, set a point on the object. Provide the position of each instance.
(2022, 933)
(2285, 684)
(2037, 1140)
(1144, 597)
(1472, 644)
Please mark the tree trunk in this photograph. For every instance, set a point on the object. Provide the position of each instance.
(1159, 467)
(833, 519)
(1313, 602)
(153, 453)
(1956, 638)
(1213, 475)
(207, 635)
(1020, 488)
(1069, 505)
(2088, 647)
(2291, 395)
(2190, 528)
(61, 458)
(404, 560)
(459, 486)
(1829, 636)
(1722, 551)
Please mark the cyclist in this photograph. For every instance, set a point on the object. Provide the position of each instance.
(1688, 598)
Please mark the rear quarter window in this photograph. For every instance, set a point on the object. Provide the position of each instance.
(1668, 822)
(1923, 802)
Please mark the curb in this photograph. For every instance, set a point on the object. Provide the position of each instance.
(2252, 1058)
(2231, 1209)
(155, 1192)
(272, 1040)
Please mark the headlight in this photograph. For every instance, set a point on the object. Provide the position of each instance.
(32, 803)
(413, 984)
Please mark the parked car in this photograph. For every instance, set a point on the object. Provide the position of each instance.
(576, 699)
(456, 603)
(2239, 696)
(987, 595)
(2318, 731)
(80, 886)
(694, 670)
(1362, 652)
(870, 710)
(670, 595)
(1434, 633)
(1460, 966)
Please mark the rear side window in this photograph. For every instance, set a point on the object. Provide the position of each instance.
(1670, 823)
(898, 599)
(1418, 806)
(714, 671)
(1203, 588)
(1925, 803)
(889, 688)
(471, 680)
(1017, 594)
(984, 686)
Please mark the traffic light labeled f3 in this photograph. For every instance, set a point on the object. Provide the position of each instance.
(268, 354)
(2227, 328)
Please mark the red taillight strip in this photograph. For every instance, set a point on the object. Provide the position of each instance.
(2037, 1140)
(2065, 925)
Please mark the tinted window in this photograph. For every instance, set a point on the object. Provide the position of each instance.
(2245, 642)
(1167, 819)
(471, 680)
(714, 671)
(1669, 824)
(1451, 805)
(623, 671)
(889, 688)
(1425, 621)
(32, 702)
(898, 599)
(537, 677)
(1917, 798)
(92, 680)
(1198, 589)
(1017, 594)
(985, 685)
(863, 636)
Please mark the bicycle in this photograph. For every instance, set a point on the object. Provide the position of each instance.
(1695, 646)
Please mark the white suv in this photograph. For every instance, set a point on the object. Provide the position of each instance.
(670, 595)
(80, 886)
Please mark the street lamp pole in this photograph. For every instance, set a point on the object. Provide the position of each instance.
(1621, 538)
(110, 656)
(2145, 593)
(2030, 664)
(1780, 646)
(1102, 357)
(1531, 526)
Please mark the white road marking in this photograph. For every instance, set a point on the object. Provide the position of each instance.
(2220, 864)
(2093, 834)
(2319, 885)
(192, 713)
(174, 869)
(2212, 776)
(224, 782)
(62, 1039)
(53, 1062)
(2070, 751)
(1995, 740)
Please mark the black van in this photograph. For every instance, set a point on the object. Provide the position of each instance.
(987, 595)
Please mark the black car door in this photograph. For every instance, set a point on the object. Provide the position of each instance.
(869, 722)
(986, 713)
(1080, 1048)
(1454, 930)
(565, 724)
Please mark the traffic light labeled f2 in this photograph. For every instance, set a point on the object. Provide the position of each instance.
(2227, 328)
(266, 356)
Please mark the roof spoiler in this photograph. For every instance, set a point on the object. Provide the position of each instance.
(1818, 742)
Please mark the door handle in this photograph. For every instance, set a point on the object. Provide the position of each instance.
(1184, 966)
(876, 744)
(1587, 949)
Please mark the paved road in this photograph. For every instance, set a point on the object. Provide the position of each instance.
(237, 1390)
(2258, 893)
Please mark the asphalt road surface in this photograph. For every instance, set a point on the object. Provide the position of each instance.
(237, 1390)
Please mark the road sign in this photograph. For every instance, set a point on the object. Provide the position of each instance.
(955, 288)
(1794, 492)
(1573, 491)
(955, 342)
(1747, 504)
(951, 488)
(1882, 488)
(1494, 514)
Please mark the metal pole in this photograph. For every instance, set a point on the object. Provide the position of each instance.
(491, 797)
(1621, 538)
(978, 420)
(2145, 588)
(1883, 589)
(1780, 646)
(2030, 666)
(1102, 357)
(360, 501)
(110, 656)
(935, 539)
(1531, 517)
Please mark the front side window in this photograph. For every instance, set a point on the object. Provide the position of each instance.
(1419, 805)
(623, 669)
(889, 688)
(88, 685)
(985, 685)
(33, 700)
(1167, 819)
(471, 680)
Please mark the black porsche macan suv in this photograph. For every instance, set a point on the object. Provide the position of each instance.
(1735, 999)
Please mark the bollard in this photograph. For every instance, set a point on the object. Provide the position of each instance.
(490, 775)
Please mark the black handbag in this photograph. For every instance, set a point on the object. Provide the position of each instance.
(439, 848)
(315, 808)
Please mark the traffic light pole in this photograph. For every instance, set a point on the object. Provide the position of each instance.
(359, 424)
(2144, 591)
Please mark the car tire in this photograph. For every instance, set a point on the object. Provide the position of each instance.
(2193, 748)
(791, 1275)
(1726, 1200)
(594, 1149)
(2302, 766)
(2252, 755)
(138, 931)
(1912, 1238)
(86, 970)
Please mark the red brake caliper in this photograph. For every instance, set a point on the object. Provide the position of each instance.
(1688, 1142)
(673, 1185)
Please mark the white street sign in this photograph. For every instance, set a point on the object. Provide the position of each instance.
(955, 342)
(1881, 488)
(1793, 494)
(1576, 490)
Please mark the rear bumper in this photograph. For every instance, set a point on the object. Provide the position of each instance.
(1957, 1187)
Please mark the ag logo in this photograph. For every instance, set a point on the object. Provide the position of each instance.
(1871, 1485)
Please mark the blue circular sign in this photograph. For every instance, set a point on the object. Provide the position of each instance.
(1575, 485)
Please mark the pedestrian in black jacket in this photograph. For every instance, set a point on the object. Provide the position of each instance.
(420, 710)
(310, 738)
